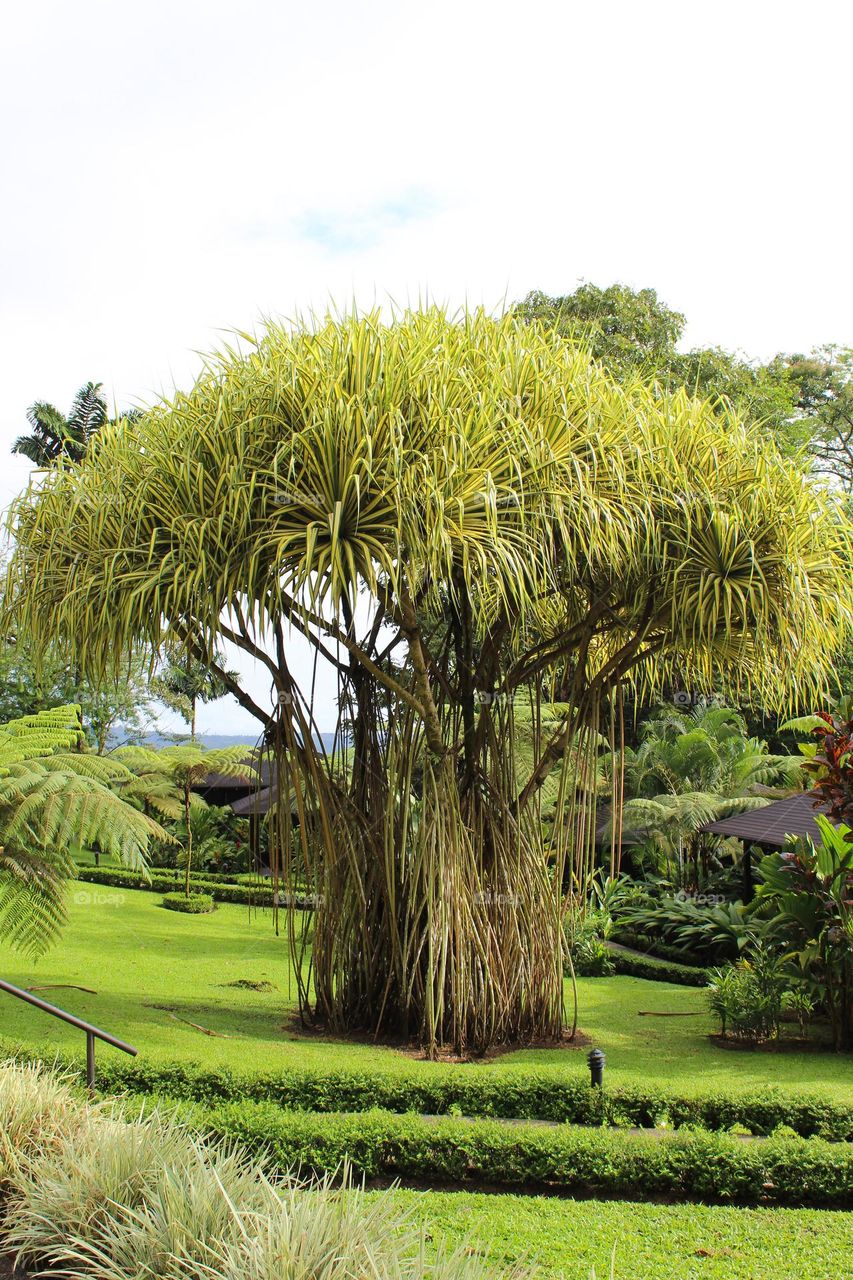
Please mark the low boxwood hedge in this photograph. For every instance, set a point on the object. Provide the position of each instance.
(636, 965)
(197, 904)
(466, 1091)
(166, 881)
(709, 1167)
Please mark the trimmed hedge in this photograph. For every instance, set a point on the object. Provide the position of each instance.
(656, 948)
(197, 904)
(484, 1093)
(716, 1168)
(165, 881)
(636, 965)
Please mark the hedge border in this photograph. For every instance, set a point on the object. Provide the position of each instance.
(159, 881)
(706, 1167)
(510, 1095)
(635, 964)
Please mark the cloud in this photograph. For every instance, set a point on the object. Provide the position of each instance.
(336, 229)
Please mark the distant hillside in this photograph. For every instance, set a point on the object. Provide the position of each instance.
(212, 741)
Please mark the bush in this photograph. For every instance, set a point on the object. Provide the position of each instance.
(197, 904)
(748, 997)
(508, 1095)
(35, 1109)
(584, 933)
(635, 965)
(599, 1162)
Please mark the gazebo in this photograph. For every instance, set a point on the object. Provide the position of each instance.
(771, 827)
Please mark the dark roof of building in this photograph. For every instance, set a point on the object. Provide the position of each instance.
(775, 823)
(603, 832)
(259, 802)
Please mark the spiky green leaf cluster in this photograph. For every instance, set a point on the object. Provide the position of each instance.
(395, 457)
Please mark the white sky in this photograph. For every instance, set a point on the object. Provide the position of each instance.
(170, 170)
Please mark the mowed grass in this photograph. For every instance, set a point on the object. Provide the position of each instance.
(156, 972)
(566, 1238)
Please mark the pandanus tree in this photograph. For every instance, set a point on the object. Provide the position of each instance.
(462, 516)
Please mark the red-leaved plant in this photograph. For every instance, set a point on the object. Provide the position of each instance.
(832, 767)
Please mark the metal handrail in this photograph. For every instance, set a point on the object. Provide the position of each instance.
(92, 1033)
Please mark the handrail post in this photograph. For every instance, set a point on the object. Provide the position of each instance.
(90, 1061)
(92, 1033)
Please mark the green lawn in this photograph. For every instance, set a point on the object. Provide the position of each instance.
(656, 1242)
(148, 964)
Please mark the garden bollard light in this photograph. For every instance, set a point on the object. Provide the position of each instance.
(596, 1061)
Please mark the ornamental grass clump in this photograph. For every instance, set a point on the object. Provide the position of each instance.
(103, 1195)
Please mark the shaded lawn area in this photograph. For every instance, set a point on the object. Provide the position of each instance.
(658, 1242)
(147, 964)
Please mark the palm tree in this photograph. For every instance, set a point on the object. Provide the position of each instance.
(56, 797)
(478, 501)
(186, 681)
(54, 436)
(164, 780)
(694, 767)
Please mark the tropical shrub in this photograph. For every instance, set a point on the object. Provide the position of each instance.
(706, 933)
(748, 996)
(194, 904)
(585, 933)
(810, 888)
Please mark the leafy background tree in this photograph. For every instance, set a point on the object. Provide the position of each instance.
(804, 401)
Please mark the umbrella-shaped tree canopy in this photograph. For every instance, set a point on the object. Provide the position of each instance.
(459, 514)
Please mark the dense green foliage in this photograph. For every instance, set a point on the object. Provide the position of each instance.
(191, 904)
(712, 1167)
(515, 1094)
(633, 331)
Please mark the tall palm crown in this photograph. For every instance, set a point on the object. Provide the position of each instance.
(54, 436)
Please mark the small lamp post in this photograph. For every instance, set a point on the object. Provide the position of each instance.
(596, 1061)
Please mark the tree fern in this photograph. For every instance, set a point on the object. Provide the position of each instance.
(53, 799)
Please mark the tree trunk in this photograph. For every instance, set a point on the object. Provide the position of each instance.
(189, 839)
